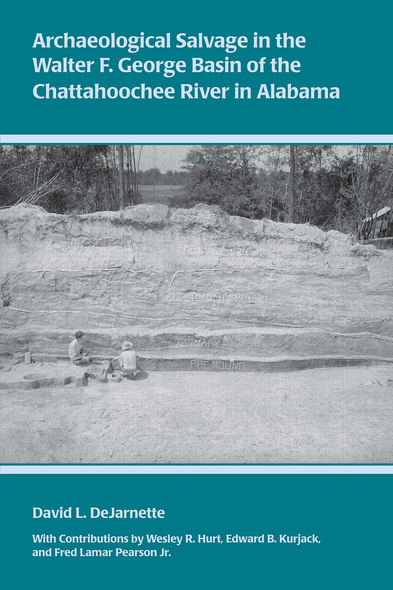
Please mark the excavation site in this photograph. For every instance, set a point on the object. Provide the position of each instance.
(258, 341)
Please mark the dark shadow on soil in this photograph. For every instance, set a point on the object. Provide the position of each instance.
(138, 377)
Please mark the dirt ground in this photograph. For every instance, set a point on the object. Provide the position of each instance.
(332, 415)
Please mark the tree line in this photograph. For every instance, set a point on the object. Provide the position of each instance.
(70, 178)
(332, 187)
(155, 177)
(327, 186)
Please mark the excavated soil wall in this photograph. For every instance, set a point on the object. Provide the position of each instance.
(190, 282)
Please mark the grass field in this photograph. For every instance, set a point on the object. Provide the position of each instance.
(160, 194)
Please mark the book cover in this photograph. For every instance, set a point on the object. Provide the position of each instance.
(208, 187)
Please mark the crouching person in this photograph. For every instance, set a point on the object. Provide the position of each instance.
(126, 362)
(77, 353)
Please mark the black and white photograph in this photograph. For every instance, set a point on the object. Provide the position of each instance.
(196, 304)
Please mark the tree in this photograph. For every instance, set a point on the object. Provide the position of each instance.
(366, 176)
(132, 174)
(82, 177)
(65, 178)
(291, 184)
(121, 176)
(154, 176)
(295, 182)
(223, 175)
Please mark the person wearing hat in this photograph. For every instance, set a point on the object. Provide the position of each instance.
(126, 360)
(76, 351)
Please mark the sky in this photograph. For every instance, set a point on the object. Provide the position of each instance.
(164, 157)
(170, 157)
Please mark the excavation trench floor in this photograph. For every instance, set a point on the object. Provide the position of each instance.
(324, 415)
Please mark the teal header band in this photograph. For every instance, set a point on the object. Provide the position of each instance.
(268, 56)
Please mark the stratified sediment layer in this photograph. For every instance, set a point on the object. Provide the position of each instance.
(196, 281)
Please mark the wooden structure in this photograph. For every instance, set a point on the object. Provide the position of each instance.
(378, 228)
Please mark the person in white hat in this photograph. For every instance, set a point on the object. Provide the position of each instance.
(126, 360)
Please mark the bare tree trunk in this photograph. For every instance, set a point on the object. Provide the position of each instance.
(121, 176)
(291, 184)
(135, 177)
(37, 173)
(277, 160)
(107, 195)
(129, 188)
